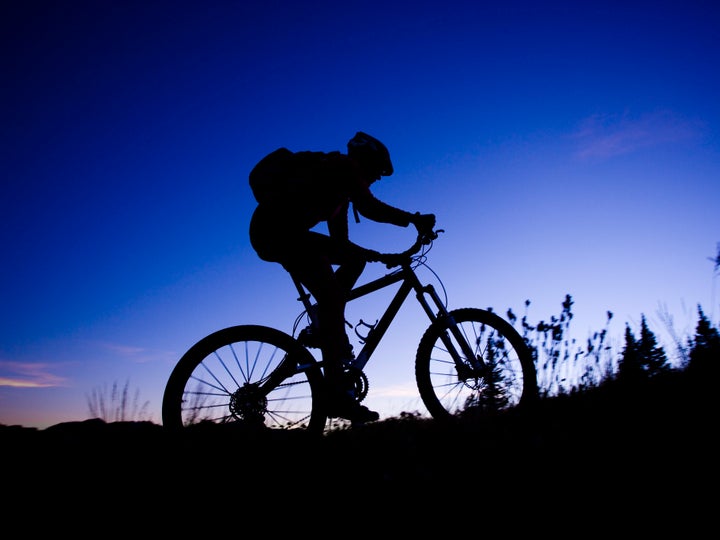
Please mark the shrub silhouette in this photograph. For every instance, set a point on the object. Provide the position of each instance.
(564, 367)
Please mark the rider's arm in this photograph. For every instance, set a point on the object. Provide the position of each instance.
(373, 208)
(370, 206)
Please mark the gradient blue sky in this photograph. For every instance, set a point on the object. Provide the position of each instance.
(565, 147)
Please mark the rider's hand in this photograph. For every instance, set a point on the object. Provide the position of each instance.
(372, 256)
(388, 259)
(424, 223)
(392, 259)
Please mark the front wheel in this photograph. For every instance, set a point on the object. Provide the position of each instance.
(507, 380)
(248, 375)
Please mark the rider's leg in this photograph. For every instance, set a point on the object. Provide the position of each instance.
(316, 273)
(330, 291)
(310, 257)
(349, 272)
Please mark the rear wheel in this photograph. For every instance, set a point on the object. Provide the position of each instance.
(508, 381)
(246, 376)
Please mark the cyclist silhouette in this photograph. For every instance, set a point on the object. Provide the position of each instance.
(303, 189)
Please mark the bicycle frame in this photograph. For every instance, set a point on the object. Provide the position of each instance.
(467, 360)
(409, 282)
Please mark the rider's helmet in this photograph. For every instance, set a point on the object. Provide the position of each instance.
(371, 154)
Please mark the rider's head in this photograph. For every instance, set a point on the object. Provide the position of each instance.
(370, 154)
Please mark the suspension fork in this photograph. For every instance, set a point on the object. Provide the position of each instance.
(466, 351)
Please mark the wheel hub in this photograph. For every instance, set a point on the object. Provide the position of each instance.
(248, 403)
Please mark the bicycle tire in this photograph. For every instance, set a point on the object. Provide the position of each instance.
(511, 381)
(217, 381)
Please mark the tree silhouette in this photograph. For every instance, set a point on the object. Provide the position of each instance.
(641, 358)
(654, 358)
(705, 347)
(630, 365)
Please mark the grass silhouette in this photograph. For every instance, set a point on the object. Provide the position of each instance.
(115, 404)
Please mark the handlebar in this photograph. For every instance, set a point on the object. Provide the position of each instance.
(396, 259)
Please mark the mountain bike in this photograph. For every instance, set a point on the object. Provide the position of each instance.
(468, 361)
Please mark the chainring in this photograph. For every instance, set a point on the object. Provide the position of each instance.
(355, 379)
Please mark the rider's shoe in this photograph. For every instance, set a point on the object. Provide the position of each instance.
(343, 404)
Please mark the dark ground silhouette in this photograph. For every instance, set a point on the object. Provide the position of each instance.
(649, 452)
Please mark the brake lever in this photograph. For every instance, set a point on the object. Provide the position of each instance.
(425, 239)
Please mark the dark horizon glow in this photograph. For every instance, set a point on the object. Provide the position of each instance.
(565, 149)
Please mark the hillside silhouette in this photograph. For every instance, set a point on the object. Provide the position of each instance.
(636, 450)
(601, 461)
(654, 437)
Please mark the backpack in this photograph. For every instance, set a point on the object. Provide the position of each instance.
(287, 177)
